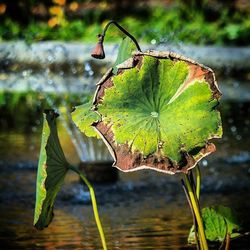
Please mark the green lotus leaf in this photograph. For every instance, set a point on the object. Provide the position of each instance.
(125, 51)
(218, 222)
(52, 168)
(159, 114)
(84, 117)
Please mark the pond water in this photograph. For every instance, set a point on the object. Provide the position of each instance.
(143, 210)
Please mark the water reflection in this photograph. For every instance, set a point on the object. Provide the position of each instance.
(156, 218)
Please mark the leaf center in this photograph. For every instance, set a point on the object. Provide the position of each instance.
(154, 114)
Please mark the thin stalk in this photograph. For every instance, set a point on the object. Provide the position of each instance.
(193, 215)
(123, 30)
(191, 179)
(196, 209)
(198, 181)
(227, 242)
(94, 205)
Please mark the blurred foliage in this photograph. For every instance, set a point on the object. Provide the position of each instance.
(190, 21)
(28, 106)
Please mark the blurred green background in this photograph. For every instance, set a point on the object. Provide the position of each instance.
(225, 22)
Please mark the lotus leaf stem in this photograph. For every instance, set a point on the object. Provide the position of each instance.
(94, 205)
(195, 205)
(198, 181)
(227, 242)
(193, 215)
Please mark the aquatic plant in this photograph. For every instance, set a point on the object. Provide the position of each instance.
(158, 112)
(154, 110)
(52, 169)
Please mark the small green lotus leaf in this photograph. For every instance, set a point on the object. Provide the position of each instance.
(84, 117)
(52, 168)
(233, 224)
(218, 222)
(125, 51)
(159, 114)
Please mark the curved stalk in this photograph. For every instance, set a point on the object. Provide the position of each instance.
(122, 30)
(94, 205)
(197, 213)
(98, 51)
(198, 181)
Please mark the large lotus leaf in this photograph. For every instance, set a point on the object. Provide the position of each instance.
(218, 222)
(52, 168)
(84, 117)
(159, 113)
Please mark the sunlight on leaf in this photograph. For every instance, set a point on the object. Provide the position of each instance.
(83, 117)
